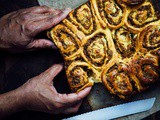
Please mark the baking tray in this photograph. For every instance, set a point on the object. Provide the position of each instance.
(99, 96)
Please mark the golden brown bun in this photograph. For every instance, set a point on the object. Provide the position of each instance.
(114, 42)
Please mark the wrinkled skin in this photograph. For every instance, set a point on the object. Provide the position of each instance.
(39, 94)
(18, 29)
(42, 96)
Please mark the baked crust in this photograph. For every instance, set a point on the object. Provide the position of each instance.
(114, 42)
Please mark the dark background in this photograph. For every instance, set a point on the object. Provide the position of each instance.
(16, 69)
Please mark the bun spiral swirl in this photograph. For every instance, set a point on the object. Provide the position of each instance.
(140, 16)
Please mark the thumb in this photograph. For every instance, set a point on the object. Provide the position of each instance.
(52, 72)
(73, 98)
(41, 43)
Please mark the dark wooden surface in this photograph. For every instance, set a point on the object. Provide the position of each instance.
(16, 69)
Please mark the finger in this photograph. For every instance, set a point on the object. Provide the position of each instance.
(34, 17)
(40, 9)
(52, 72)
(47, 15)
(73, 109)
(75, 97)
(35, 23)
(41, 43)
(50, 21)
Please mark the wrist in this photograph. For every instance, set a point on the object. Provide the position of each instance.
(4, 33)
(21, 95)
(11, 102)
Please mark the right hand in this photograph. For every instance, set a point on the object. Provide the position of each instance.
(40, 94)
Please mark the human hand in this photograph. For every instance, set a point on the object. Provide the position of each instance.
(40, 94)
(18, 29)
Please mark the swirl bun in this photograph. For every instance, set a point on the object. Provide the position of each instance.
(113, 42)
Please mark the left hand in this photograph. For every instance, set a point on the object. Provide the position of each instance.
(39, 94)
(18, 29)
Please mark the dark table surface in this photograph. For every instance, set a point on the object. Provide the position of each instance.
(16, 69)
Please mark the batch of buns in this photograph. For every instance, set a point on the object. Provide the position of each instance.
(113, 42)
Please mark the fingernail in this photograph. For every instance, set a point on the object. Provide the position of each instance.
(57, 66)
(87, 88)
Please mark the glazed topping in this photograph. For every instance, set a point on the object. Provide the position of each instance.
(110, 12)
(125, 41)
(96, 50)
(124, 38)
(79, 77)
(147, 71)
(143, 15)
(119, 81)
(151, 37)
(65, 40)
(110, 7)
(79, 74)
(84, 17)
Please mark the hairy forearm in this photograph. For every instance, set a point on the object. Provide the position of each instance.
(3, 44)
(11, 102)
